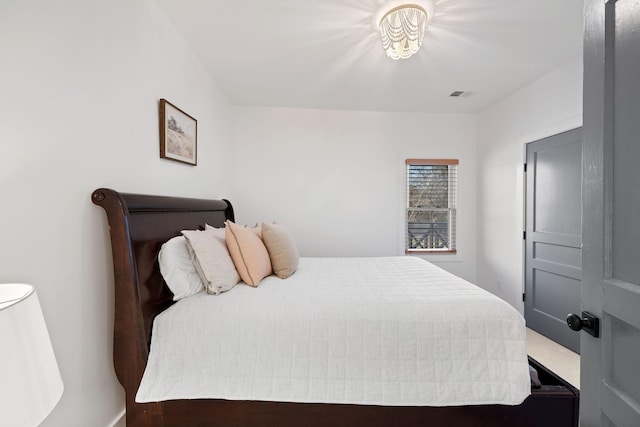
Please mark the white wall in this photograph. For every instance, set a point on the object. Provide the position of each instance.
(549, 105)
(80, 82)
(336, 178)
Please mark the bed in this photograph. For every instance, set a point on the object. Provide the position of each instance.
(140, 224)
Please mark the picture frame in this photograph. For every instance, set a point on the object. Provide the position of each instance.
(178, 134)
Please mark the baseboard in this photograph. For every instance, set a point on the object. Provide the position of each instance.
(119, 420)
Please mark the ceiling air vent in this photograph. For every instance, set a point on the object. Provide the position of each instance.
(462, 93)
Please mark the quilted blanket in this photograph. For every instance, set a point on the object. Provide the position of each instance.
(379, 331)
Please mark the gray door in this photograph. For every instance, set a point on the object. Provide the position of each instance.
(610, 364)
(553, 235)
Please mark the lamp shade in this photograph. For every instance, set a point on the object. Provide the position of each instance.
(30, 381)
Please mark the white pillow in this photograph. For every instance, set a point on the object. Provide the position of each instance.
(177, 269)
(211, 259)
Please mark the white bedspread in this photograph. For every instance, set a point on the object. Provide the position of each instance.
(382, 331)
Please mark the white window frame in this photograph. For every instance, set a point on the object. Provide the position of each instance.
(452, 208)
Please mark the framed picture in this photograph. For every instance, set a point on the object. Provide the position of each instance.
(178, 134)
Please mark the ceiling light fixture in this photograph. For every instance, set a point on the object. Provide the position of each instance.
(402, 27)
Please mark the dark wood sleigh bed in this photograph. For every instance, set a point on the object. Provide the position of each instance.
(140, 224)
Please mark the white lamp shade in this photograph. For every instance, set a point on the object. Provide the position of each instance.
(30, 381)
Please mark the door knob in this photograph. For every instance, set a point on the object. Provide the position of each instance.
(588, 322)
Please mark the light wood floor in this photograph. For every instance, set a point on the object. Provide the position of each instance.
(562, 361)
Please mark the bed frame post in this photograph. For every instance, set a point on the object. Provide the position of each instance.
(129, 360)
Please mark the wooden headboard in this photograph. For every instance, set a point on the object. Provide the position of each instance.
(139, 225)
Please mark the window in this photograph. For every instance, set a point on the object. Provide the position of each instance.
(431, 205)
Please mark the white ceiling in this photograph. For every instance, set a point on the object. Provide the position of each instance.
(326, 53)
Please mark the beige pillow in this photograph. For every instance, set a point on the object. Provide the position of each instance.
(282, 249)
(248, 253)
(211, 259)
(219, 231)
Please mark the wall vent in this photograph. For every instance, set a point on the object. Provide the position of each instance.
(462, 93)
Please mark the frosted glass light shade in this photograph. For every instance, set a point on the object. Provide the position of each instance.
(30, 382)
(402, 30)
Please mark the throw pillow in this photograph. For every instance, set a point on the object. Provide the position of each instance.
(282, 249)
(248, 253)
(212, 260)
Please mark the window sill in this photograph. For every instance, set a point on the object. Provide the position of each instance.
(430, 252)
